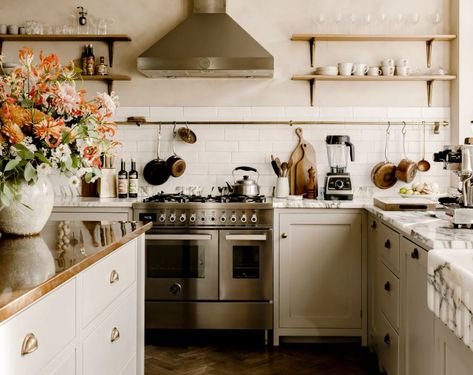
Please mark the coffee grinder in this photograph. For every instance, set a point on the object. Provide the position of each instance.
(338, 184)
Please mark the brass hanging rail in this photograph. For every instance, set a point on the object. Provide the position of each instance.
(435, 124)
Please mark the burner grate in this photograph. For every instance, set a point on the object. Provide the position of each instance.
(182, 198)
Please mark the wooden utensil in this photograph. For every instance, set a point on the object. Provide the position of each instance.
(276, 169)
(284, 169)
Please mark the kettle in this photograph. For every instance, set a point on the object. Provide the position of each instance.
(246, 186)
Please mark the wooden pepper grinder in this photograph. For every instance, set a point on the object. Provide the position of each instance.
(312, 184)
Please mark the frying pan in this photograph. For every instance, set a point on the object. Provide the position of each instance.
(176, 164)
(383, 174)
(156, 171)
(407, 169)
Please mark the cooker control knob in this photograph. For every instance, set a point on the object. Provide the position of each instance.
(193, 218)
(162, 218)
(254, 219)
(243, 218)
(233, 218)
(223, 218)
(172, 218)
(182, 218)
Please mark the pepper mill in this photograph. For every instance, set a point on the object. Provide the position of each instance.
(312, 184)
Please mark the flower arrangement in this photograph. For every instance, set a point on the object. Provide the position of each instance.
(47, 124)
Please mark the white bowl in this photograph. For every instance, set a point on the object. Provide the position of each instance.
(327, 70)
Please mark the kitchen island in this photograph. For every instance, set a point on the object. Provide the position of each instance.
(71, 299)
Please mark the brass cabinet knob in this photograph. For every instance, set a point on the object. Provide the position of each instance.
(387, 286)
(373, 225)
(284, 235)
(415, 254)
(115, 336)
(30, 344)
(114, 277)
(387, 244)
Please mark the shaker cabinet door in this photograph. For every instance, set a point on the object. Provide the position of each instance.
(320, 270)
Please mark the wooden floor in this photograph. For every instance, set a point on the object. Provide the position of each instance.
(225, 356)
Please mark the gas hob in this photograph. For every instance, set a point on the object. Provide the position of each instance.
(178, 210)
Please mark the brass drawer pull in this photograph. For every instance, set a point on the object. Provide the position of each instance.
(114, 277)
(30, 344)
(373, 225)
(387, 339)
(387, 244)
(387, 286)
(284, 235)
(415, 254)
(115, 335)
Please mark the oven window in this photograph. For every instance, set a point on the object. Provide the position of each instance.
(246, 262)
(175, 261)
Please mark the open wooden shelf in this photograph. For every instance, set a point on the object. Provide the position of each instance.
(109, 79)
(109, 39)
(428, 39)
(429, 79)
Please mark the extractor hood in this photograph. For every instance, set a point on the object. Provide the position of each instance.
(207, 44)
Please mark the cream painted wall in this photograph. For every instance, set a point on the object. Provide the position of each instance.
(271, 23)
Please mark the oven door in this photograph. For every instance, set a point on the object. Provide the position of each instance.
(246, 265)
(182, 265)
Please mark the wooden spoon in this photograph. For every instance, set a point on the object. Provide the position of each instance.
(284, 169)
(423, 165)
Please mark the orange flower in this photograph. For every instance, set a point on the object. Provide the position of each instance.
(50, 131)
(13, 132)
(107, 128)
(26, 56)
(91, 154)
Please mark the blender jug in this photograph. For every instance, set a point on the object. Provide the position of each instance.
(339, 151)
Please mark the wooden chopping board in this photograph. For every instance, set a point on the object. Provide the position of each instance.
(404, 204)
(299, 153)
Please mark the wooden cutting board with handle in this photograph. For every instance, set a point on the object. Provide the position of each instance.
(302, 169)
(297, 156)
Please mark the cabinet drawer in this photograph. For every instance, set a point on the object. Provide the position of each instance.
(110, 347)
(65, 365)
(388, 347)
(52, 322)
(388, 247)
(388, 292)
(107, 279)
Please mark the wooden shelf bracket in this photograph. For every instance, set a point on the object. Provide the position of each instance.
(312, 92)
(428, 45)
(429, 92)
(312, 52)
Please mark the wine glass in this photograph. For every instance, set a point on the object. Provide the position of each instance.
(437, 22)
(338, 19)
(398, 21)
(382, 19)
(366, 21)
(413, 19)
(352, 21)
(320, 19)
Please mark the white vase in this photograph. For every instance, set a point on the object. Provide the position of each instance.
(25, 262)
(28, 215)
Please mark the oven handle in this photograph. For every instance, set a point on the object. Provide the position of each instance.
(245, 237)
(181, 237)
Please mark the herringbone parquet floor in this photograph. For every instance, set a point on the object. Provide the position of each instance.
(220, 356)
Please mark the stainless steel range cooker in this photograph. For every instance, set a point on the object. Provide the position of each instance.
(208, 262)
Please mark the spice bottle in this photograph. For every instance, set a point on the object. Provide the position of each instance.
(101, 68)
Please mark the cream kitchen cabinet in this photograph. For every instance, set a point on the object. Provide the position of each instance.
(452, 356)
(373, 230)
(92, 213)
(417, 328)
(68, 332)
(320, 273)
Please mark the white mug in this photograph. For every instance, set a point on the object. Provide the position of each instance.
(388, 70)
(403, 70)
(402, 62)
(360, 69)
(345, 69)
(387, 62)
(374, 71)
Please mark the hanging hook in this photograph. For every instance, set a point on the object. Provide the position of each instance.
(388, 130)
(404, 130)
(174, 129)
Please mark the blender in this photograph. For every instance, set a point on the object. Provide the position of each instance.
(338, 184)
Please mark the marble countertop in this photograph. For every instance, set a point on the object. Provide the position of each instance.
(64, 201)
(30, 267)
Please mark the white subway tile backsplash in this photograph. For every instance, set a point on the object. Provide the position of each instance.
(221, 148)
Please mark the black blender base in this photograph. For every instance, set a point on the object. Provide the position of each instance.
(334, 197)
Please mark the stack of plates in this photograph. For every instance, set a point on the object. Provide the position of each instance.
(327, 71)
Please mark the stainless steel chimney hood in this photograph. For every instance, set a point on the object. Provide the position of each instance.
(207, 44)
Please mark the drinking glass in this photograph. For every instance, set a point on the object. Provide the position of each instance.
(337, 20)
(398, 22)
(413, 19)
(352, 21)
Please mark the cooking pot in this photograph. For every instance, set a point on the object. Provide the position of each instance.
(246, 186)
